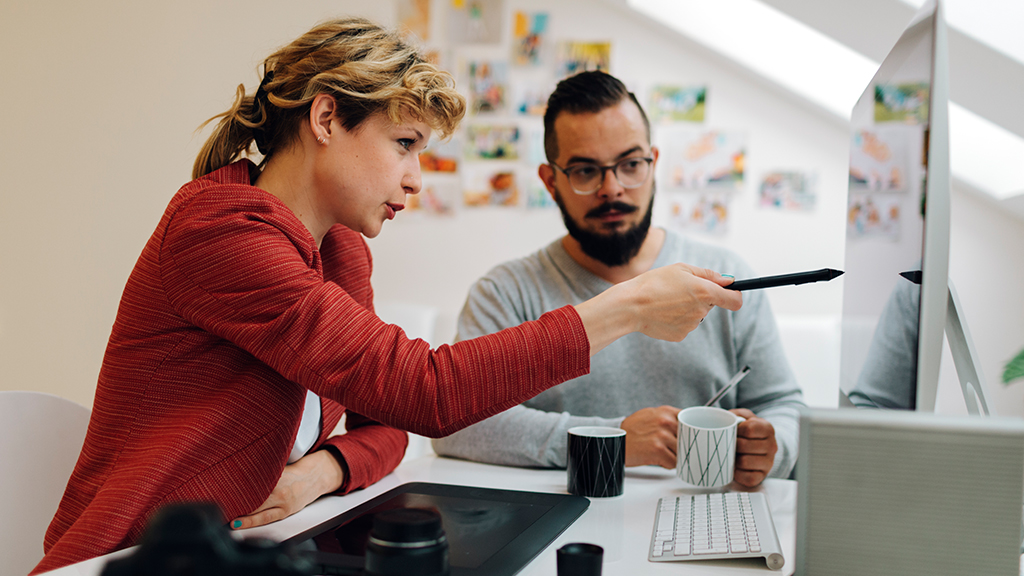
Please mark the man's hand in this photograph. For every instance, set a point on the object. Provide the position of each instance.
(755, 448)
(309, 478)
(651, 437)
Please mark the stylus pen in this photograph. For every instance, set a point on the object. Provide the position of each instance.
(735, 380)
(913, 275)
(823, 275)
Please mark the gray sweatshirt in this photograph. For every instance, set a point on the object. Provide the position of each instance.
(633, 372)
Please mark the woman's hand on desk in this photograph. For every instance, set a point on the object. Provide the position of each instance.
(309, 478)
(755, 448)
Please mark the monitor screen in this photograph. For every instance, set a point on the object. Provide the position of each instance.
(897, 225)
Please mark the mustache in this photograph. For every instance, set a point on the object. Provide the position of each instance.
(610, 206)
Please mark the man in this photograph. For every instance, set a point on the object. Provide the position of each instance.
(600, 173)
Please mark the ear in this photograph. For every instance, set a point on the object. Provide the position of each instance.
(654, 154)
(547, 176)
(321, 112)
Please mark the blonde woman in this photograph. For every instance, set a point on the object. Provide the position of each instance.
(247, 328)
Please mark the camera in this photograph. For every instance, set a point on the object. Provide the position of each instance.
(192, 540)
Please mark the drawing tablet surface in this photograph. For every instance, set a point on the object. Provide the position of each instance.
(490, 531)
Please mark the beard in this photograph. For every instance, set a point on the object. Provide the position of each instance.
(610, 248)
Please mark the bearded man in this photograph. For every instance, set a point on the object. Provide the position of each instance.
(600, 172)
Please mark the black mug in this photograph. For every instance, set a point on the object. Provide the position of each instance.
(596, 461)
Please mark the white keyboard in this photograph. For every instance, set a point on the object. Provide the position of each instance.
(715, 527)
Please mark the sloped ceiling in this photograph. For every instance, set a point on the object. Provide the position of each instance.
(984, 82)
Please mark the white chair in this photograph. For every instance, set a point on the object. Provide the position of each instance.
(418, 321)
(41, 436)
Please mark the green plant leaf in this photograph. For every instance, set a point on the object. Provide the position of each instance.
(1014, 368)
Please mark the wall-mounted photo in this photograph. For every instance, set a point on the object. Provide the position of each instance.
(475, 21)
(492, 142)
(695, 160)
(439, 195)
(703, 212)
(484, 186)
(794, 191)
(414, 18)
(576, 57)
(529, 38)
(488, 86)
(442, 156)
(677, 104)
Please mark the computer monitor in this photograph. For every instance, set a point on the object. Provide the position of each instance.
(896, 292)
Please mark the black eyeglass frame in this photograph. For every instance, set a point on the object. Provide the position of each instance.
(614, 168)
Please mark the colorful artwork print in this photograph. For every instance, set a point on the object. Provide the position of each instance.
(487, 86)
(414, 18)
(491, 188)
(576, 57)
(531, 99)
(475, 21)
(442, 156)
(788, 191)
(439, 195)
(904, 103)
(529, 36)
(697, 160)
(677, 104)
(873, 215)
(879, 160)
(707, 213)
(491, 142)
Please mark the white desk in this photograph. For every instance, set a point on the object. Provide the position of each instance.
(622, 525)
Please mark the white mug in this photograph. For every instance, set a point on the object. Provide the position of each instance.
(706, 450)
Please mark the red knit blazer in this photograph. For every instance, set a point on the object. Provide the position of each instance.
(230, 314)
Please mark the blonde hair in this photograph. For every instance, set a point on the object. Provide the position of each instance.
(366, 69)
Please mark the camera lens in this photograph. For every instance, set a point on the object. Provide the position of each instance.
(407, 542)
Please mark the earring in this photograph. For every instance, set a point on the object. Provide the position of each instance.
(321, 140)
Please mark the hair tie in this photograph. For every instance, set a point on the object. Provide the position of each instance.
(260, 101)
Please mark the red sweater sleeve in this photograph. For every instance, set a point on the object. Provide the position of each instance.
(247, 277)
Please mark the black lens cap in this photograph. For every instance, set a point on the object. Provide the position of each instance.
(407, 525)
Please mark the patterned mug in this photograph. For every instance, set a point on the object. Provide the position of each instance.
(706, 454)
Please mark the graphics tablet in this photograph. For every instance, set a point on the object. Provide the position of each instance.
(490, 531)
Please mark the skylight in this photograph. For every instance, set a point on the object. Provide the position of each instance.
(833, 76)
(995, 23)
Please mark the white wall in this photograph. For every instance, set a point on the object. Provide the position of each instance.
(98, 109)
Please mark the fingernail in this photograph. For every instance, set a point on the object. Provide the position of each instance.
(236, 524)
(728, 276)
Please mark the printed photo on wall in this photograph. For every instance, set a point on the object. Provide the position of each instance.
(488, 85)
(439, 195)
(475, 21)
(879, 159)
(788, 191)
(873, 215)
(677, 104)
(697, 160)
(490, 187)
(442, 156)
(414, 18)
(529, 37)
(531, 98)
(492, 142)
(903, 103)
(704, 212)
(576, 57)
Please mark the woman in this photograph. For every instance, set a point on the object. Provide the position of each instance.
(246, 328)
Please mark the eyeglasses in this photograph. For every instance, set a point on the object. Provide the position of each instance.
(587, 178)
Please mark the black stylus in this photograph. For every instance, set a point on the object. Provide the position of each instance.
(823, 275)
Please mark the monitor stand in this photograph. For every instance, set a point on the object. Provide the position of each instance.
(965, 359)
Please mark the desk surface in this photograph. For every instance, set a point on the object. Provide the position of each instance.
(621, 525)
